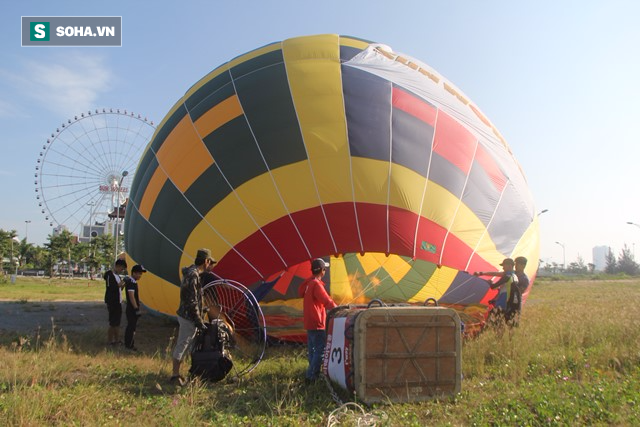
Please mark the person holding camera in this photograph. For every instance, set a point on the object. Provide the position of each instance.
(190, 314)
(133, 305)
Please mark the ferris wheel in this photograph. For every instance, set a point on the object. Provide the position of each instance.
(85, 169)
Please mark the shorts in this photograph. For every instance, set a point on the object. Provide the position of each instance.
(115, 314)
(185, 336)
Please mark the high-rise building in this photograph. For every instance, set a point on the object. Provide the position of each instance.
(600, 257)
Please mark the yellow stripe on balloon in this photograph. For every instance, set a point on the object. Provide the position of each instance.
(295, 186)
(529, 247)
(370, 262)
(231, 221)
(440, 207)
(437, 285)
(314, 74)
(396, 266)
(370, 180)
(341, 290)
(406, 188)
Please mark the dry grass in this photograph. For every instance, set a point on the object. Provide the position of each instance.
(573, 361)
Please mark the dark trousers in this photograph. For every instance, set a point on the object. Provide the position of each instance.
(316, 340)
(130, 332)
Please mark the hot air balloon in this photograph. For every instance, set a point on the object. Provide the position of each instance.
(335, 147)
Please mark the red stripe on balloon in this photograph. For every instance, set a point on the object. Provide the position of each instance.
(259, 252)
(454, 142)
(373, 224)
(491, 168)
(413, 105)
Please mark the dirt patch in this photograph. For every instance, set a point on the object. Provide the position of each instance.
(26, 317)
(84, 322)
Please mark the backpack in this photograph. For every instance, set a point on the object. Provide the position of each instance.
(210, 356)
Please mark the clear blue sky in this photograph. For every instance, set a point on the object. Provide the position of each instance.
(560, 80)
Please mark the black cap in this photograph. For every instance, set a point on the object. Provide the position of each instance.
(138, 269)
(318, 264)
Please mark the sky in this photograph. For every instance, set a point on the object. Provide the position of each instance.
(560, 80)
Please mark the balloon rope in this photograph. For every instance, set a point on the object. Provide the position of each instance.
(388, 230)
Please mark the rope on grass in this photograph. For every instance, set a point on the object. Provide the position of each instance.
(344, 413)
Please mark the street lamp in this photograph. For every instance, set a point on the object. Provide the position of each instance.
(117, 225)
(634, 245)
(14, 239)
(564, 259)
(26, 230)
(91, 204)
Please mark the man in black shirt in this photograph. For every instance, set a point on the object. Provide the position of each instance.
(113, 299)
(133, 305)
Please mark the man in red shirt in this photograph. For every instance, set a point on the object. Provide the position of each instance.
(316, 301)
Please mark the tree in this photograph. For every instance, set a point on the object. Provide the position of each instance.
(101, 252)
(60, 250)
(611, 266)
(7, 241)
(578, 266)
(38, 257)
(23, 252)
(626, 264)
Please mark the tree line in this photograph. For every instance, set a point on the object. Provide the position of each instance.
(62, 254)
(624, 263)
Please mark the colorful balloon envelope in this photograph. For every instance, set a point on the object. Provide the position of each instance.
(335, 147)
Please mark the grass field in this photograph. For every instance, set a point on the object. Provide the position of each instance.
(45, 289)
(574, 360)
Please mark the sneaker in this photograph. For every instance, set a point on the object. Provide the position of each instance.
(177, 379)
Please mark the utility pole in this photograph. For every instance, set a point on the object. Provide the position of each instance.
(117, 224)
(564, 259)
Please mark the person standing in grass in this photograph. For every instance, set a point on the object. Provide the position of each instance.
(190, 315)
(316, 302)
(523, 279)
(113, 299)
(133, 305)
(508, 298)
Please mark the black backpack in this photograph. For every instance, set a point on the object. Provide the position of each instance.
(210, 356)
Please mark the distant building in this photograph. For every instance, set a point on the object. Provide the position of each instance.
(59, 229)
(600, 257)
(89, 231)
